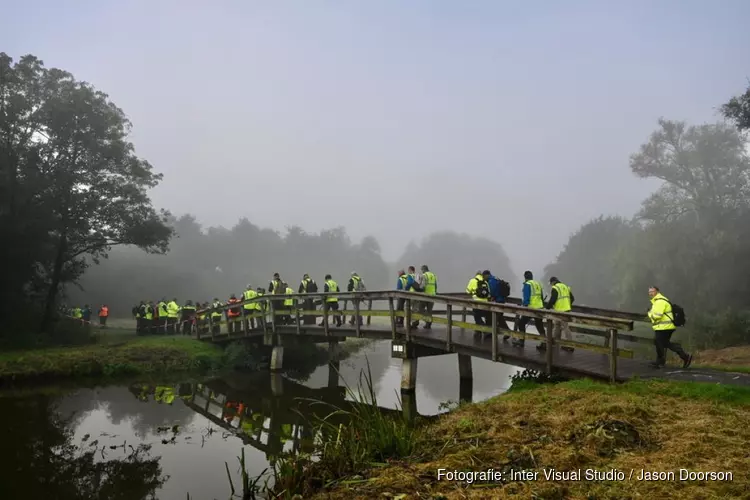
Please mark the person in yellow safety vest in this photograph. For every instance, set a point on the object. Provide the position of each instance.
(77, 313)
(260, 307)
(161, 315)
(173, 313)
(164, 394)
(479, 290)
(216, 315)
(275, 288)
(355, 285)
(308, 285)
(560, 300)
(401, 286)
(332, 303)
(288, 304)
(532, 298)
(147, 317)
(428, 284)
(250, 308)
(662, 321)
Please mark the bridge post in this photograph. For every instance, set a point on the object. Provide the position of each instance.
(494, 335)
(369, 308)
(325, 316)
(296, 316)
(273, 315)
(409, 406)
(277, 357)
(463, 318)
(357, 319)
(408, 374)
(464, 367)
(407, 318)
(549, 346)
(277, 384)
(612, 355)
(449, 312)
(392, 311)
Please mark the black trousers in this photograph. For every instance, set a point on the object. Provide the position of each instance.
(663, 341)
(482, 317)
(333, 307)
(308, 305)
(538, 322)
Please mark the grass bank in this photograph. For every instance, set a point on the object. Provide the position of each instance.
(653, 425)
(117, 356)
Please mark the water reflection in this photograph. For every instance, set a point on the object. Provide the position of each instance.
(165, 441)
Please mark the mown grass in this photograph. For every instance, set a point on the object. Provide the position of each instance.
(653, 425)
(128, 355)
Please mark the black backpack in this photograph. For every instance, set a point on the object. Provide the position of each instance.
(504, 288)
(483, 289)
(312, 287)
(678, 314)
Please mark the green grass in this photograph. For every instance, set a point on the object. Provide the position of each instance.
(656, 425)
(119, 355)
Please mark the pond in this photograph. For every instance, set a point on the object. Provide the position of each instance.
(148, 441)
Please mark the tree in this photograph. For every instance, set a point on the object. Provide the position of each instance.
(705, 169)
(738, 110)
(587, 262)
(67, 142)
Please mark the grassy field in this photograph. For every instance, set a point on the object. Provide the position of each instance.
(116, 354)
(657, 426)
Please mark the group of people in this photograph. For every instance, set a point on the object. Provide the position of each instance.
(83, 314)
(170, 317)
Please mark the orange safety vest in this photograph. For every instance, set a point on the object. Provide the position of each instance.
(104, 312)
(234, 312)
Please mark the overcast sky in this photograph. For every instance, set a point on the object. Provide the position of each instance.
(397, 118)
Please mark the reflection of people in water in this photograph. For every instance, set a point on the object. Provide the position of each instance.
(232, 410)
(164, 394)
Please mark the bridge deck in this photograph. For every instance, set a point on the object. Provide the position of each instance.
(581, 362)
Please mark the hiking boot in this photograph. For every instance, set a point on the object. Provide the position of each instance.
(506, 337)
(415, 324)
(518, 343)
(686, 362)
(655, 365)
(428, 326)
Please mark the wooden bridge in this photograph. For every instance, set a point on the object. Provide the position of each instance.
(601, 355)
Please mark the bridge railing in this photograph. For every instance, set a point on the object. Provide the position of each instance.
(606, 323)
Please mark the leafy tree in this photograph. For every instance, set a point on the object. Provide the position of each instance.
(738, 110)
(66, 143)
(587, 262)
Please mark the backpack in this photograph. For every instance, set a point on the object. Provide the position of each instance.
(504, 289)
(312, 287)
(483, 289)
(360, 286)
(678, 314)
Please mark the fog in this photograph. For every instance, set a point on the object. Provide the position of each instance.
(393, 119)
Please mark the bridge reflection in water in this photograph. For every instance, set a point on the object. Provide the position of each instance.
(274, 414)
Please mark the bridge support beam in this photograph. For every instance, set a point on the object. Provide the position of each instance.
(277, 384)
(333, 373)
(333, 350)
(408, 374)
(465, 378)
(277, 358)
(409, 405)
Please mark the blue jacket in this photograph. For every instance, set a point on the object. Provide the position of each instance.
(494, 285)
(526, 294)
(399, 284)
